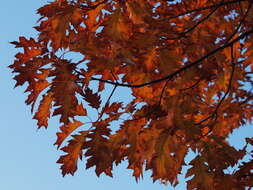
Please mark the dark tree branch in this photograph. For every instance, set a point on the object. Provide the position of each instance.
(207, 7)
(184, 68)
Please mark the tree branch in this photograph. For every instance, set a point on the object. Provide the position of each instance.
(205, 8)
(184, 68)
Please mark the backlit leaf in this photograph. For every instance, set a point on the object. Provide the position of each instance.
(66, 130)
(187, 65)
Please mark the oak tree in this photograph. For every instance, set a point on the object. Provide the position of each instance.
(187, 63)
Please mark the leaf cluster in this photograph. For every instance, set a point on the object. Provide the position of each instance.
(188, 65)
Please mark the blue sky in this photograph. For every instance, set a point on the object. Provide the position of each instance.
(28, 156)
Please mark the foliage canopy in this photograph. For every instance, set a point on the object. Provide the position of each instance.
(187, 63)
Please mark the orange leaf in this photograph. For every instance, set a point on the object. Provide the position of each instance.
(43, 112)
(74, 151)
(66, 130)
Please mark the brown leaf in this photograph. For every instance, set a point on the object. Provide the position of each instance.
(92, 98)
(74, 151)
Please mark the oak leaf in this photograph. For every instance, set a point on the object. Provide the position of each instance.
(92, 98)
(74, 151)
(43, 113)
(66, 130)
(187, 64)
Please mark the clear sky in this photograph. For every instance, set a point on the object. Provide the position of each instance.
(27, 155)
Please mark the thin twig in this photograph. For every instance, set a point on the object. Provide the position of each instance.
(182, 34)
(246, 100)
(192, 86)
(107, 102)
(230, 80)
(215, 113)
(161, 96)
